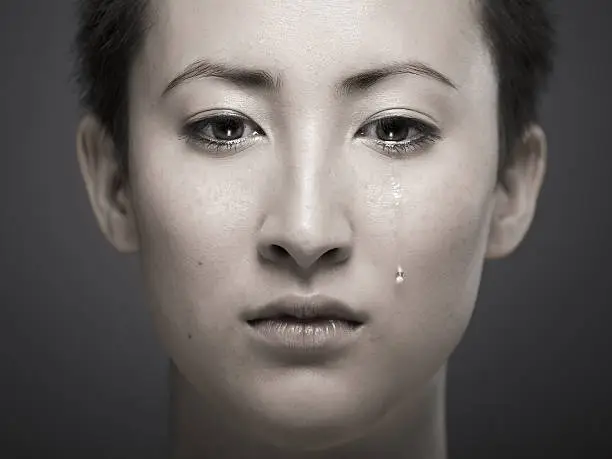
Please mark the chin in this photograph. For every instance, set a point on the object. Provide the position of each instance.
(306, 414)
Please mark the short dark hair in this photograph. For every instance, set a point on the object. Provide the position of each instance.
(519, 34)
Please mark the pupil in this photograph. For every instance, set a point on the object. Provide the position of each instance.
(228, 129)
(392, 129)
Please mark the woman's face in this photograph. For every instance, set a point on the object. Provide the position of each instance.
(329, 183)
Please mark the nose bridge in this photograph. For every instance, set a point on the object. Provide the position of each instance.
(307, 222)
(308, 174)
(306, 208)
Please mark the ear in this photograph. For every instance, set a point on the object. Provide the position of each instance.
(517, 192)
(111, 204)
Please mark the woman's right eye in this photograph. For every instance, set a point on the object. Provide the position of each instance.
(221, 131)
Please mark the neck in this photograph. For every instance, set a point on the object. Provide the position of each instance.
(415, 433)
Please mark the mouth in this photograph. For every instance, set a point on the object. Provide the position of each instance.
(315, 325)
(312, 310)
(314, 322)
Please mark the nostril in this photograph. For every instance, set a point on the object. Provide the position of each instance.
(332, 254)
(274, 253)
(278, 252)
(336, 255)
(301, 256)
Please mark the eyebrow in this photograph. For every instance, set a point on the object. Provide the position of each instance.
(266, 81)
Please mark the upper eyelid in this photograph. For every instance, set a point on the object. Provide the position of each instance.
(422, 119)
(211, 118)
(424, 125)
(416, 120)
(215, 116)
(221, 116)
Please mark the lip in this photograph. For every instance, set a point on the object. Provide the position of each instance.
(313, 307)
(313, 325)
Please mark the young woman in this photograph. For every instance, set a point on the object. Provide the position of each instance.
(312, 188)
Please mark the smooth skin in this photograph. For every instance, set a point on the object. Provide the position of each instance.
(304, 205)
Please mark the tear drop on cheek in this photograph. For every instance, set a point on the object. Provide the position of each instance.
(399, 275)
(396, 194)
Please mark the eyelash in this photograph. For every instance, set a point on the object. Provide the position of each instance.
(428, 134)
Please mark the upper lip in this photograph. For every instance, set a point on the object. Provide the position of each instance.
(306, 307)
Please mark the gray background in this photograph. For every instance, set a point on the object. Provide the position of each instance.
(82, 375)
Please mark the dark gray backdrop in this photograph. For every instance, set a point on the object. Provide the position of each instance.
(81, 374)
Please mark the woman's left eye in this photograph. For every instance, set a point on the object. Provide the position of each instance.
(221, 131)
(399, 134)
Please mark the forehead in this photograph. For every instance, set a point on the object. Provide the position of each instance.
(314, 40)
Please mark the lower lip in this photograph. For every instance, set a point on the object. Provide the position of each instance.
(301, 335)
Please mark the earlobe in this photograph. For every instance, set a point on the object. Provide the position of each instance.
(515, 200)
(112, 206)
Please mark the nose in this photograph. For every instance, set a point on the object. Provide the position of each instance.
(306, 228)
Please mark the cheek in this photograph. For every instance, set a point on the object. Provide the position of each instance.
(193, 220)
(446, 262)
(441, 241)
(446, 238)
